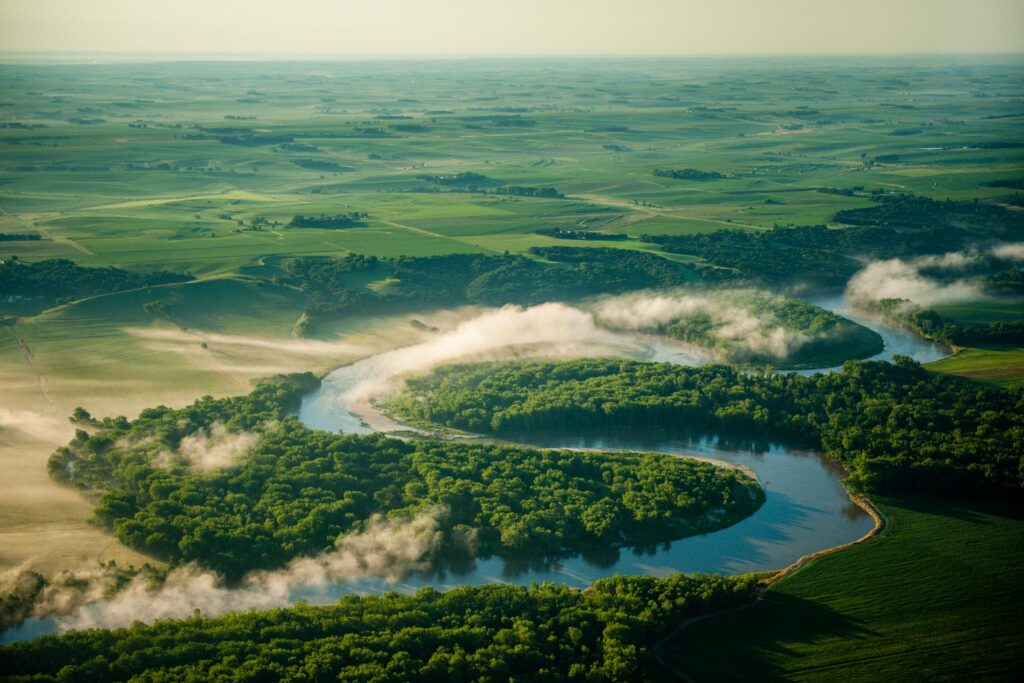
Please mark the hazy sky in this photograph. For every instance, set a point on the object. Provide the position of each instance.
(396, 27)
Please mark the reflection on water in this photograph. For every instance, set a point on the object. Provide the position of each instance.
(898, 341)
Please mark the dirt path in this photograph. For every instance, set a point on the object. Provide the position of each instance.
(413, 228)
(648, 211)
(44, 385)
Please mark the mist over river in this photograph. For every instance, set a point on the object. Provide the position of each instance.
(806, 508)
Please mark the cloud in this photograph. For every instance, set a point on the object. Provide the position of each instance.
(384, 549)
(744, 332)
(215, 447)
(899, 279)
(1010, 252)
(34, 425)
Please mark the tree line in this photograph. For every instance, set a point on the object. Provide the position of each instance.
(481, 633)
(896, 427)
(338, 287)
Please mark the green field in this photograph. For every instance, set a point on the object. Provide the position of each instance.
(200, 167)
(935, 597)
(1001, 366)
(996, 364)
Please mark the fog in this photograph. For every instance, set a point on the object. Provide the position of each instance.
(385, 549)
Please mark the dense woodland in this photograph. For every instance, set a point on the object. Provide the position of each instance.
(341, 286)
(896, 427)
(296, 490)
(898, 226)
(487, 633)
(63, 279)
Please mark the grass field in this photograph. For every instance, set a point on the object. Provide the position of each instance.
(1001, 366)
(936, 596)
(998, 365)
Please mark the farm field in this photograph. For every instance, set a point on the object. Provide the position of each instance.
(933, 597)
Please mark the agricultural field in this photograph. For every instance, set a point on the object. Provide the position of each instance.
(172, 233)
(882, 610)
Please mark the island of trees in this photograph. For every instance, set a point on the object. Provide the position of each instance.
(294, 491)
(567, 234)
(688, 174)
(345, 220)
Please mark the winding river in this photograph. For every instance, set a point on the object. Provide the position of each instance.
(807, 509)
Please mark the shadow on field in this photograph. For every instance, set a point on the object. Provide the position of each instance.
(972, 510)
(762, 630)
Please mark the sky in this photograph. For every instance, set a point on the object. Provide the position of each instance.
(512, 27)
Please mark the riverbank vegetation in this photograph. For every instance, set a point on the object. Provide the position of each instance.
(895, 426)
(236, 485)
(932, 325)
(495, 632)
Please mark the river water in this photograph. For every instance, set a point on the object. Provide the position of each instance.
(806, 509)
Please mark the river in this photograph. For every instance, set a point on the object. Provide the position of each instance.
(806, 508)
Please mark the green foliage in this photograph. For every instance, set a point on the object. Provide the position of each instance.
(688, 174)
(459, 279)
(346, 220)
(899, 226)
(298, 490)
(564, 234)
(485, 633)
(896, 427)
(65, 279)
(932, 325)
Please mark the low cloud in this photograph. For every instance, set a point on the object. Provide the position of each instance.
(385, 549)
(744, 332)
(1010, 252)
(215, 447)
(899, 279)
(34, 425)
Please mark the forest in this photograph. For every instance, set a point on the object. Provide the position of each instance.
(288, 490)
(899, 226)
(337, 287)
(896, 427)
(63, 279)
(495, 632)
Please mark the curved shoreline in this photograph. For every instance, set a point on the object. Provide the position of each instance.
(863, 502)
